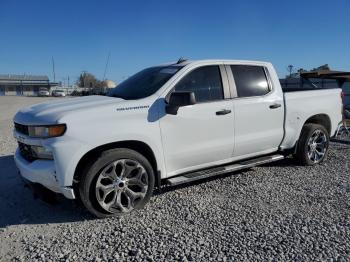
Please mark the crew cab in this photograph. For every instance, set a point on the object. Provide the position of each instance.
(171, 124)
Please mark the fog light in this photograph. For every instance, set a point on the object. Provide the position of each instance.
(42, 152)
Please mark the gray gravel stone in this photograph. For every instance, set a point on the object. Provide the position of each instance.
(276, 212)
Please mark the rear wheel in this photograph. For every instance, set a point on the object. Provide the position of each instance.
(118, 182)
(313, 145)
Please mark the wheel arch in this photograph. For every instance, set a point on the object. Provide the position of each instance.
(139, 146)
(320, 119)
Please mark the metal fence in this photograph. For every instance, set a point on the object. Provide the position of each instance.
(295, 83)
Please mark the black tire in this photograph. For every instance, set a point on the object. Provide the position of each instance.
(304, 149)
(88, 189)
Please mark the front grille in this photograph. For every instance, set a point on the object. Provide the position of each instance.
(26, 152)
(22, 129)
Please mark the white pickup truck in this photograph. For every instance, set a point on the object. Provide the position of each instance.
(170, 124)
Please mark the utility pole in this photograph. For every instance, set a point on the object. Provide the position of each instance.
(53, 70)
(104, 74)
(68, 81)
(290, 70)
(84, 74)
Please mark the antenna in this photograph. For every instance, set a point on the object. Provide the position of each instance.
(107, 62)
(53, 70)
(181, 60)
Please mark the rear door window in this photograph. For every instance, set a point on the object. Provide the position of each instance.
(250, 80)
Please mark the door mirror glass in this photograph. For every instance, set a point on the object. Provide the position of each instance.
(178, 99)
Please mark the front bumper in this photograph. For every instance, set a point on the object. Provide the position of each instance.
(42, 172)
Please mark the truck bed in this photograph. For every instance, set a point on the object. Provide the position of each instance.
(301, 104)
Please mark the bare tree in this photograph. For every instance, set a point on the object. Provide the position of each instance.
(88, 80)
(322, 67)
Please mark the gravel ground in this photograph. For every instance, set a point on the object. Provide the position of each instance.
(279, 211)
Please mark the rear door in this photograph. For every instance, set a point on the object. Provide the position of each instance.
(201, 134)
(259, 110)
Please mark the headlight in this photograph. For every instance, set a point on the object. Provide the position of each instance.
(41, 152)
(46, 131)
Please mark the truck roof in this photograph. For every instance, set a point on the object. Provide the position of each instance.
(206, 61)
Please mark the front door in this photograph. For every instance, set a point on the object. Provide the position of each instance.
(200, 134)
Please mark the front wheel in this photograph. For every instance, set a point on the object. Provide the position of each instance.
(118, 182)
(313, 145)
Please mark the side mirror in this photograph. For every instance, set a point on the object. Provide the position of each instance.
(179, 99)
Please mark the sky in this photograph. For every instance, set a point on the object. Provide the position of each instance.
(79, 34)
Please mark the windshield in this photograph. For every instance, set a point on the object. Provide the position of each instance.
(144, 83)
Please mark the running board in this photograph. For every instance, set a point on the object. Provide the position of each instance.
(215, 171)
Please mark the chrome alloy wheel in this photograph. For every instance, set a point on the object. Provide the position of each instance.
(317, 146)
(121, 185)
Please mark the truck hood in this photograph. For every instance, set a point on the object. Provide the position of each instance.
(50, 112)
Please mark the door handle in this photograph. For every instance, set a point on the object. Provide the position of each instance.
(274, 106)
(223, 112)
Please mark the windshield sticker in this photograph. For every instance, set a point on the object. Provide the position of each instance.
(131, 108)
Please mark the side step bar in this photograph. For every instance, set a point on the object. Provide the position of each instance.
(197, 175)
